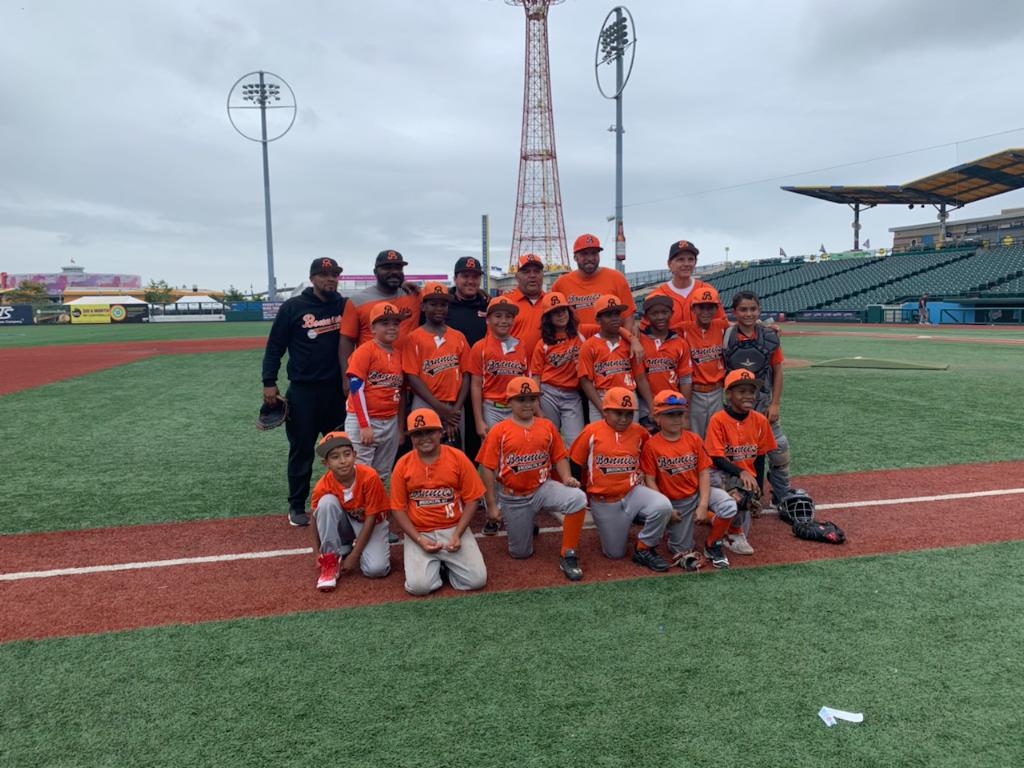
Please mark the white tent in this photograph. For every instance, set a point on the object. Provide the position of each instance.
(198, 301)
(105, 300)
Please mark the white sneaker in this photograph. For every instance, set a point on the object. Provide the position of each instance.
(737, 542)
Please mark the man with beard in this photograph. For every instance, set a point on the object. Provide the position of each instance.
(590, 281)
(683, 287)
(390, 273)
(307, 328)
(527, 296)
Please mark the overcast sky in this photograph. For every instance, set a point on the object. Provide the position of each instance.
(117, 150)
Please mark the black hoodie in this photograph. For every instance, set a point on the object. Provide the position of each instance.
(308, 330)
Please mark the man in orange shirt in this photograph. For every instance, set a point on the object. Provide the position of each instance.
(350, 506)
(433, 358)
(493, 362)
(520, 451)
(682, 260)
(527, 295)
(609, 451)
(391, 286)
(676, 463)
(705, 336)
(736, 436)
(606, 361)
(666, 356)
(435, 490)
(590, 281)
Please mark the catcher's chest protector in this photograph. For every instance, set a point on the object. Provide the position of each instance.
(753, 354)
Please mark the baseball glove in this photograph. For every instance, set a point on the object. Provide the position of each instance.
(745, 500)
(272, 416)
(819, 530)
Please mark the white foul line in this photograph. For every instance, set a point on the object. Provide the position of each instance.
(309, 550)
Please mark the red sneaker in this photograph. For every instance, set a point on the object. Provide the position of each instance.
(328, 562)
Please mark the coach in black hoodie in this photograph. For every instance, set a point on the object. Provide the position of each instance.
(307, 328)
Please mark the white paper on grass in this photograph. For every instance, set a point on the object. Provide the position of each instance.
(829, 716)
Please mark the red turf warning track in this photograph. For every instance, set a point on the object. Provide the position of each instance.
(25, 367)
(69, 605)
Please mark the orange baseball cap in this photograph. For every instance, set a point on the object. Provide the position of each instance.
(422, 419)
(503, 303)
(619, 399)
(741, 376)
(669, 401)
(586, 241)
(554, 300)
(609, 303)
(530, 258)
(332, 440)
(681, 246)
(385, 310)
(522, 386)
(706, 295)
(435, 290)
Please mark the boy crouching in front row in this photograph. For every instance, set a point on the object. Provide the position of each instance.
(350, 507)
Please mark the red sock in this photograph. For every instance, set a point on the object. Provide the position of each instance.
(735, 529)
(572, 527)
(719, 525)
(640, 545)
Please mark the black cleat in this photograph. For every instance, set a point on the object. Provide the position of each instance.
(714, 553)
(649, 558)
(297, 518)
(570, 565)
(492, 526)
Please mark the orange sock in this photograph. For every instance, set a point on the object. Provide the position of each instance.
(572, 527)
(640, 545)
(719, 525)
(735, 529)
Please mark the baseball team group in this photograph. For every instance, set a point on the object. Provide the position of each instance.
(427, 403)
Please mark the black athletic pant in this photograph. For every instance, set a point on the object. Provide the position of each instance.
(314, 409)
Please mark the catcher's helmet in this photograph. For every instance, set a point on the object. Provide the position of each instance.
(796, 507)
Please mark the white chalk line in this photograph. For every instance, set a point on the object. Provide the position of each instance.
(266, 554)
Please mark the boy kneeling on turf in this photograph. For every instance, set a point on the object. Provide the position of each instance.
(350, 506)
(676, 463)
(609, 450)
(736, 436)
(434, 492)
(521, 449)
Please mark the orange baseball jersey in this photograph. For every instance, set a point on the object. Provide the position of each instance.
(741, 442)
(665, 361)
(356, 325)
(583, 291)
(433, 495)
(776, 357)
(612, 458)
(437, 360)
(608, 364)
(675, 464)
(497, 363)
(522, 456)
(366, 496)
(706, 350)
(380, 372)
(556, 363)
(526, 326)
(682, 311)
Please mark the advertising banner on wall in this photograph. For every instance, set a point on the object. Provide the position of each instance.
(20, 314)
(91, 313)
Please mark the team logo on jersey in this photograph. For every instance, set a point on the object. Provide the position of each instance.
(660, 364)
(431, 497)
(319, 327)
(436, 365)
(741, 451)
(525, 462)
(505, 367)
(675, 465)
(612, 367)
(385, 379)
(615, 465)
(701, 355)
(558, 359)
(583, 301)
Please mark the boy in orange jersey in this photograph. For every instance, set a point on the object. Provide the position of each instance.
(350, 506)
(375, 398)
(493, 362)
(705, 337)
(434, 493)
(676, 463)
(666, 356)
(736, 436)
(521, 450)
(605, 359)
(609, 451)
(589, 282)
(553, 365)
(433, 359)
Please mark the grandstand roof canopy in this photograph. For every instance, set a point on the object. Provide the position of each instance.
(957, 186)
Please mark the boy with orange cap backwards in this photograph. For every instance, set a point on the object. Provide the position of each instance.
(435, 490)
(705, 336)
(350, 507)
(609, 451)
(675, 462)
(518, 453)
(736, 436)
(375, 402)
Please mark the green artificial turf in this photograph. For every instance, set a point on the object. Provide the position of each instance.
(39, 335)
(715, 669)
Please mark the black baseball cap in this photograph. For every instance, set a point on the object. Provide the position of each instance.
(468, 264)
(390, 258)
(324, 266)
(682, 246)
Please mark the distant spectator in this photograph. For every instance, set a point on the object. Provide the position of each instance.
(922, 310)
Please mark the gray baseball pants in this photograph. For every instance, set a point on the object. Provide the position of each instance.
(380, 455)
(778, 460)
(741, 517)
(613, 519)
(703, 405)
(493, 413)
(338, 530)
(564, 408)
(680, 534)
(466, 569)
(519, 512)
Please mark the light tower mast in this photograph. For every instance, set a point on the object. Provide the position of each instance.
(538, 227)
